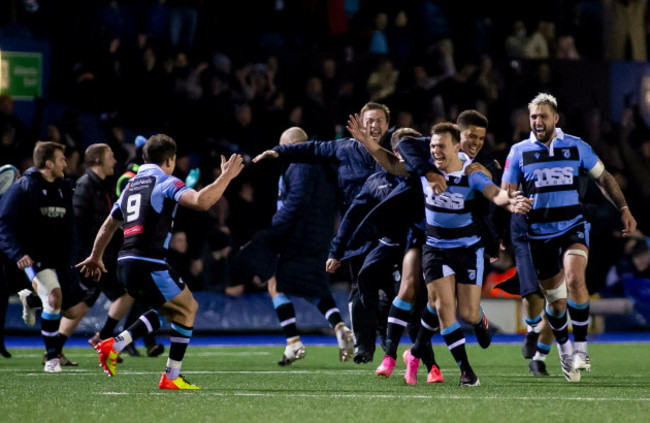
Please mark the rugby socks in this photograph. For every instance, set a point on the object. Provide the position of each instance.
(559, 325)
(533, 325)
(147, 323)
(61, 340)
(455, 341)
(579, 314)
(328, 308)
(286, 315)
(180, 338)
(50, 332)
(542, 351)
(429, 324)
(398, 317)
(109, 328)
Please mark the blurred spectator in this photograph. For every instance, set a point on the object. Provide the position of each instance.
(17, 141)
(566, 48)
(183, 20)
(378, 41)
(625, 24)
(540, 44)
(400, 43)
(630, 278)
(516, 41)
(382, 81)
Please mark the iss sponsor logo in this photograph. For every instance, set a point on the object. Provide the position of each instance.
(553, 176)
(447, 200)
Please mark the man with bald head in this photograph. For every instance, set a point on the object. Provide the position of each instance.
(299, 239)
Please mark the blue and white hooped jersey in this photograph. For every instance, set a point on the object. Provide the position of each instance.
(549, 175)
(448, 216)
(147, 207)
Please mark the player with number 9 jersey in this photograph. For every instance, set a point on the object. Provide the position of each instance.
(151, 197)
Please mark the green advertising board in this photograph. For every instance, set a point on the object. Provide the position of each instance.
(21, 74)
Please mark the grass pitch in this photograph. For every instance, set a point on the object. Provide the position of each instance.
(246, 385)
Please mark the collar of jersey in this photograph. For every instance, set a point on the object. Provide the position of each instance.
(456, 173)
(149, 167)
(559, 136)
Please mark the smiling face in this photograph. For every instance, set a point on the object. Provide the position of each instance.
(445, 152)
(376, 122)
(472, 139)
(542, 122)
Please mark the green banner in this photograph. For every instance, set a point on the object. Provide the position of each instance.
(21, 74)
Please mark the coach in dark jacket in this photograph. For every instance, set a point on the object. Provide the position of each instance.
(299, 234)
(307, 211)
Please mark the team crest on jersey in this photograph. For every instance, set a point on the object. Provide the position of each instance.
(580, 235)
(471, 273)
(457, 180)
(566, 153)
(537, 156)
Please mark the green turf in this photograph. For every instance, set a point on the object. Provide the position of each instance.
(246, 385)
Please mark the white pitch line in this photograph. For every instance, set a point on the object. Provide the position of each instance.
(387, 396)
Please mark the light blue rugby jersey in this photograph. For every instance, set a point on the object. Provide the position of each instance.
(448, 216)
(549, 175)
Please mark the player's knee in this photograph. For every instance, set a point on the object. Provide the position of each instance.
(469, 314)
(193, 307)
(55, 299)
(556, 294)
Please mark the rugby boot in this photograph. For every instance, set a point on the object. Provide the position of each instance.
(29, 313)
(363, 357)
(469, 378)
(571, 374)
(537, 368)
(345, 340)
(292, 352)
(107, 356)
(482, 330)
(529, 347)
(412, 363)
(52, 366)
(96, 340)
(155, 350)
(386, 367)
(63, 360)
(581, 361)
(179, 383)
(435, 375)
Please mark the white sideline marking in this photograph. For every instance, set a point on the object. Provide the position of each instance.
(195, 354)
(385, 396)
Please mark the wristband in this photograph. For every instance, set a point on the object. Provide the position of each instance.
(623, 208)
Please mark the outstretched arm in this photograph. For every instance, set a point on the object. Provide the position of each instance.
(612, 191)
(206, 197)
(513, 201)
